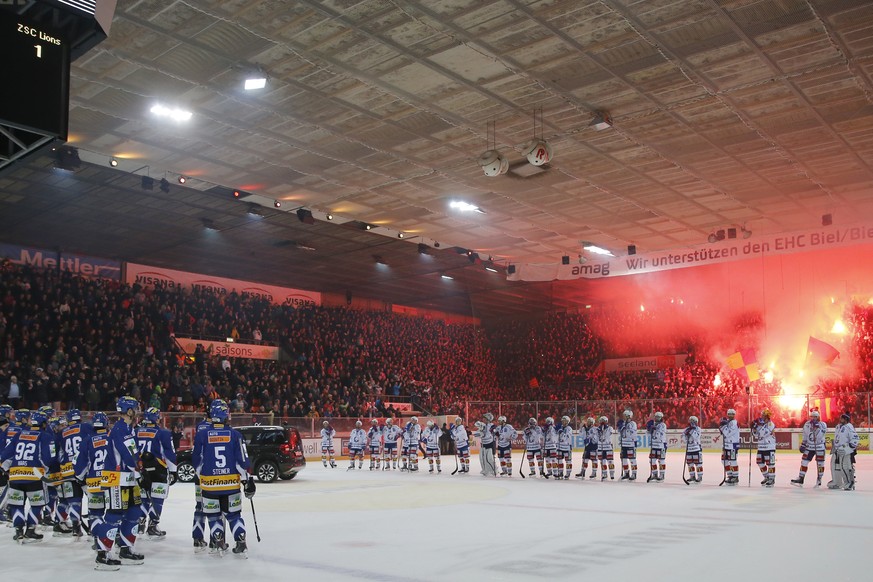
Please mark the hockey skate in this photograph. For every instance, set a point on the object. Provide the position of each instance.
(217, 546)
(19, 534)
(199, 546)
(332, 465)
(593, 475)
(129, 557)
(141, 526)
(633, 477)
(324, 463)
(580, 474)
(624, 476)
(818, 482)
(60, 530)
(30, 536)
(240, 550)
(603, 477)
(651, 478)
(77, 532)
(770, 481)
(154, 532)
(105, 562)
(797, 482)
(351, 467)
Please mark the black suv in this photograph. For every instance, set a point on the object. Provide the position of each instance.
(274, 452)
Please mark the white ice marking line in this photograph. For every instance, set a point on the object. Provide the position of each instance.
(674, 516)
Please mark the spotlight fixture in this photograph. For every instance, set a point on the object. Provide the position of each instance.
(255, 81)
(329, 216)
(277, 203)
(538, 152)
(182, 179)
(510, 269)
(493, 163)
(436, 244)
(465, 206)
(601, 121)
(423, 249)
(472, 257)
(368, 227)
(448, 277)
(254, 209)
(208, 224)
(173, 113)
(379, 260)
(631, 249)
(305, 216)
(399, 235)
(593, 248)
(148, 183)
(827, 219)
(565, 260)
(489, 266)
(237, 193)
(164, 185)
(113, 162)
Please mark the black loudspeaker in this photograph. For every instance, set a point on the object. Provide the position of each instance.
(511, 269)
(631, 249)
(148, 183)
(565, 260)
(305, 216)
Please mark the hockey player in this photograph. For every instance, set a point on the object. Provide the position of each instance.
(812, 447)
(763, 429)
(605, 452)
(120, 478)
(220, 460)
(488, 448)
(565, 449)
(54, 481)
(533, 444)
(327, 450)
(159, 462)
(374, 438)
(411, 438)
(7, 416)
(657, 430)
(588, 432)
(198, 526)
(693, 452)
(390, 434)
(627, 434)
(357, 442)
(843, 455)
(431, 439)
(550, 447)
(458, 432)
(26, 459)
(505, 434)
(486, 453)
(730, 445)
(71, 490)
(88, 469)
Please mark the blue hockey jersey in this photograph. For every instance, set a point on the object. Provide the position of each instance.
(27, 455)
(122, 458)
(92, 459)
(159, 442)
(220, 459)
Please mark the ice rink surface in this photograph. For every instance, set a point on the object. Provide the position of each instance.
(334, 524)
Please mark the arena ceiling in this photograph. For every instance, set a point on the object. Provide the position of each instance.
(753, 114)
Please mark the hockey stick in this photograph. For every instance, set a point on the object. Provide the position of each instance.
(724, 454)
(521, 465)
(457, 466)
(255, 519)
(685, 463)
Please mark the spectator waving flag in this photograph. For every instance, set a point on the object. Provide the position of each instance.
(819, 354)
(745, 362)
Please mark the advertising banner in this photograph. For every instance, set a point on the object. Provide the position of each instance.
(159, 276)
(707, 254)
(643, 363)
(229, 349)
(77, 264)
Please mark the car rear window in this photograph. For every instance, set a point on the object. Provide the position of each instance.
(273, 437)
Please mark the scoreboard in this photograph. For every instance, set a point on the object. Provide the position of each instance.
(35, 87)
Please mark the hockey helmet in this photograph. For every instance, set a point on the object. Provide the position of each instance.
(389, 421)
(54, 423)
(604, 420)
(488, 417)
(38, 418)
(815, 414)
(479, 425)
(218, 410)
(414, 420)
(5, 410)
(659, 416)
(589, 421)
(325, 424)
(126, 404)
(152, 415)
(99, 420)
(21, 415)
(845, 418)
(550, 420)
(501, 419)
(731, 412)
(628, 414)
(47, 410)
(429, 424)
(74, 415)
(358, 424)
(531, 422)
(693, 420)
(374, 421)
(565, 420)
(459, 420)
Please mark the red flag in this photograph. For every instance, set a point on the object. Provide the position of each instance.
(745, 362)
(819, 354)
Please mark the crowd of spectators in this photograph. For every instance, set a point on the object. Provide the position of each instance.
(78, 342)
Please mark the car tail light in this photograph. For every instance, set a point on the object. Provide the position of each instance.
(285, 449)
(293, 439)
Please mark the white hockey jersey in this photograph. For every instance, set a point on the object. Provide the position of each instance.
(691, 436)
(357, 439)
(565, 438)
(845, 438)
(604, 437)
(730, 435)
(533, 438)
(431, 436)
(814, 436)
(505, 434)
(550, 437)
(391, 433)
(412, 435)
(327, 435)
(765, 435)
(488, 433)
(375, 436)
(659, 435)
(628, 434)
(459, 435)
